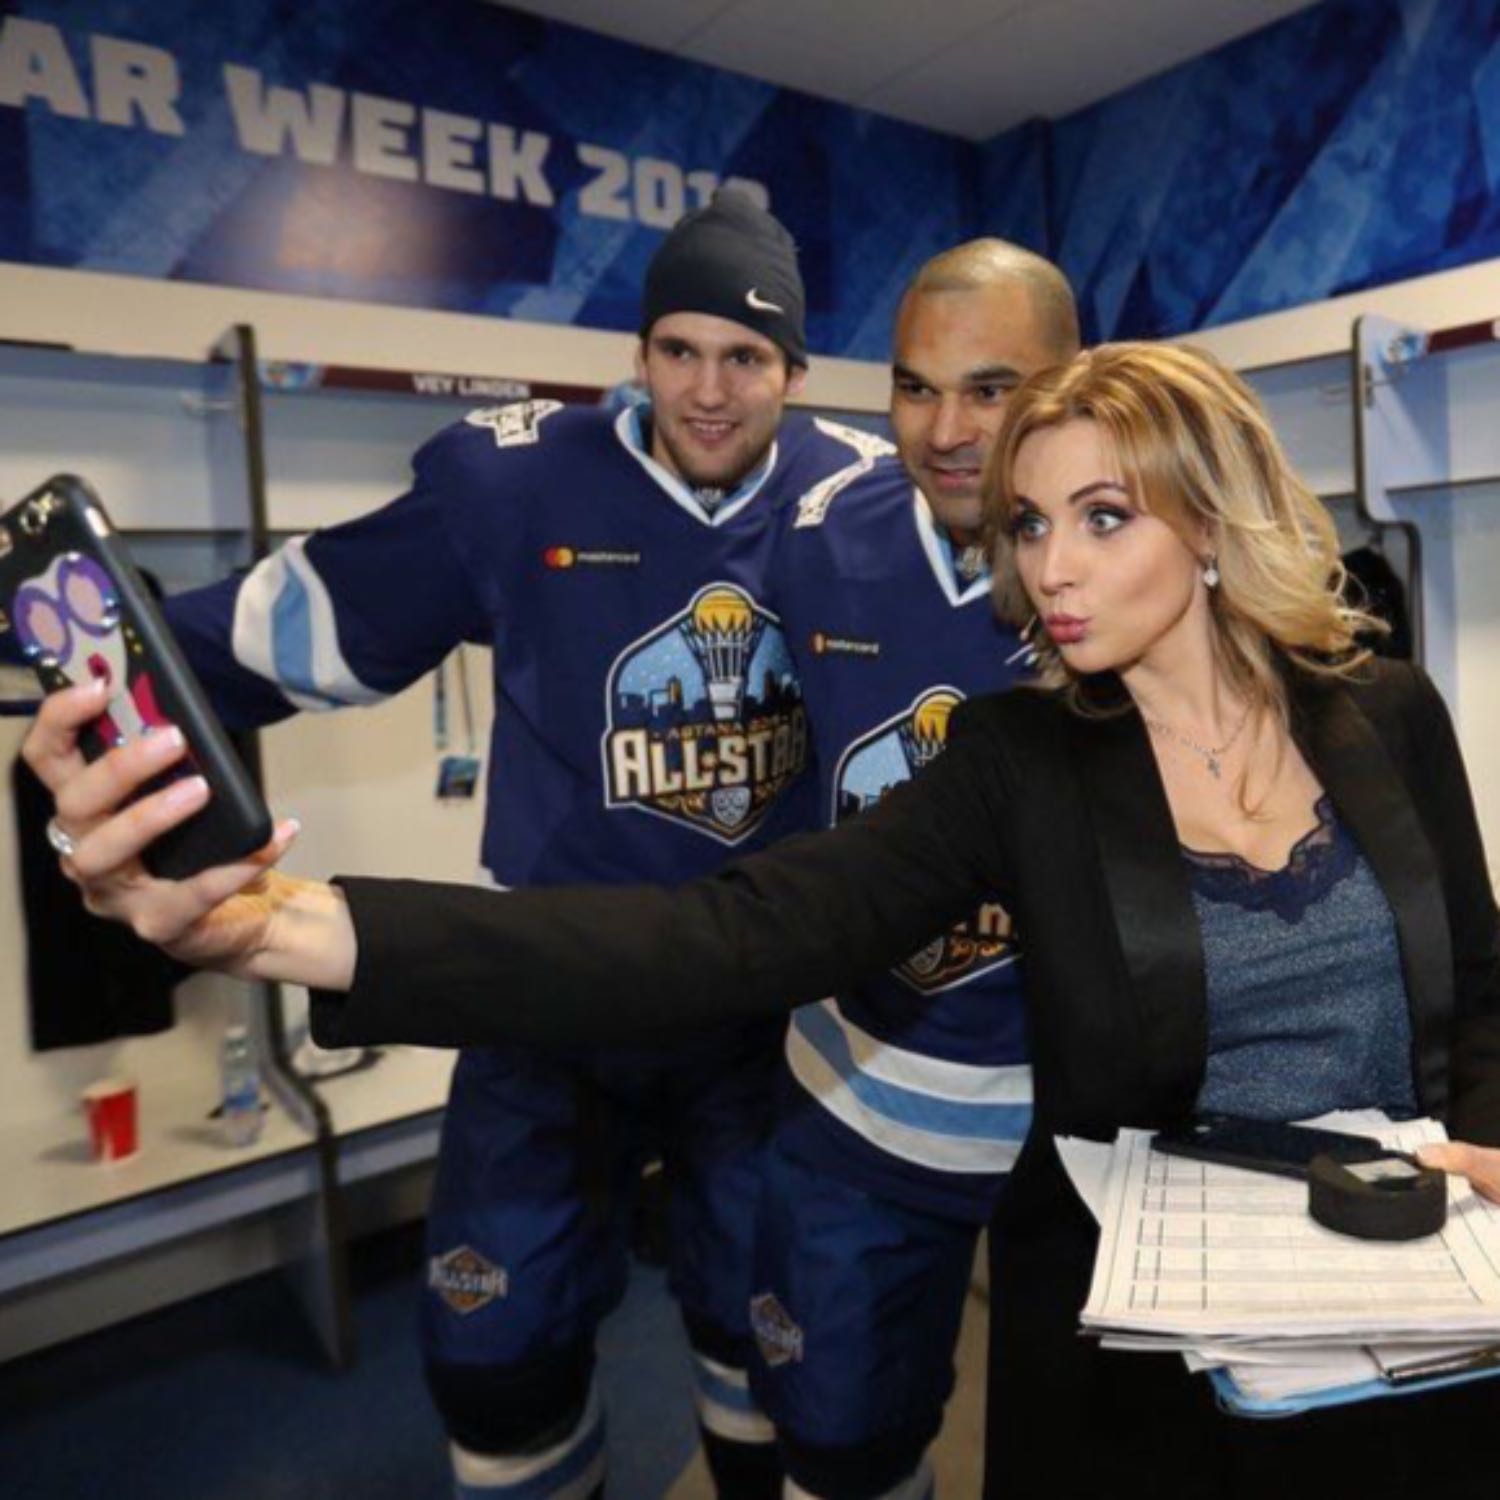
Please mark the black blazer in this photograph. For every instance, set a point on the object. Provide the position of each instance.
(1065, 820)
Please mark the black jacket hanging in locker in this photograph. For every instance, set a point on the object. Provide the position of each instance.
(1384, 595)
(88, 980)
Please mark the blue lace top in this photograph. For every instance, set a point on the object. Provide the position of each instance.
(1307, 1006)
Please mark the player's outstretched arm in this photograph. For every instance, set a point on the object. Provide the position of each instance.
(351, 614)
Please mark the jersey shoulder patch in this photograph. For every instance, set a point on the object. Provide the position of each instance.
(516, 425)
(867, 445)
(812, 508)
(879, 480)
(870, 447)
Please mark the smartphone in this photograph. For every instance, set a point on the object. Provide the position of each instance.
(75, 608)
(1264, 1145)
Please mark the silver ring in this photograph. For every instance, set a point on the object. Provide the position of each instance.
(60, 839)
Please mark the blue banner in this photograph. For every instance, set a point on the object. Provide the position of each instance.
(1354, 143)
(457, 155)
(450, 155)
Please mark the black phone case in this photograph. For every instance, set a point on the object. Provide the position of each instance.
(1264, 1145)
(76, 607)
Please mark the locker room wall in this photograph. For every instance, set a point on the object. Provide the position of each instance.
(1460, 529)
(138, 315)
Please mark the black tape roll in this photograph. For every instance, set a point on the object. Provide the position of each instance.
(1392, 1198)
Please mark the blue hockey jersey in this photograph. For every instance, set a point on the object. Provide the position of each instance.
(914, 1086)
(648, 718)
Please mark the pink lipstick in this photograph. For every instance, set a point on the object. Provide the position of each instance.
(1066, 630)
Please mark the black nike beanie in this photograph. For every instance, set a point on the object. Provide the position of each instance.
(733, 260)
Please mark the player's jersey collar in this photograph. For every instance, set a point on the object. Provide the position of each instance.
(630, 429)
(939, 552)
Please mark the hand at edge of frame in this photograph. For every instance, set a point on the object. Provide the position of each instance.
(1480, 1164)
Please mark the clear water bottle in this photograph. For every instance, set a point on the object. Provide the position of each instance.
(239, 1103)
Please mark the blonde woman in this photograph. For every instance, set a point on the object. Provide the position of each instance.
(1242, 856)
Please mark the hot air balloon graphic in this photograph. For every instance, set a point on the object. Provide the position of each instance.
(925, 733)
(722, 630)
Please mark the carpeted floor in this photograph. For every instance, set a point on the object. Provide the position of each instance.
(227, 1398)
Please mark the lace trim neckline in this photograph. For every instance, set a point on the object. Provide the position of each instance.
(1323, 857)
(1320, 833)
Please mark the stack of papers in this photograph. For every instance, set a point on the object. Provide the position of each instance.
(1225, 1267)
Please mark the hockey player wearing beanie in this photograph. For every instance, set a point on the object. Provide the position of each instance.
(615, 562)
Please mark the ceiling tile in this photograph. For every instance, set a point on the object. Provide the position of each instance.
(971, 67)
(1022, 67)
(756, 44)
(795, 64)
(650, 23)
(895, 28)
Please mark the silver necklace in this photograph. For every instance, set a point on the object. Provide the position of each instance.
(1212, 755)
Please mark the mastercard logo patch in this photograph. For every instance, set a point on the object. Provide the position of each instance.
(559, 557)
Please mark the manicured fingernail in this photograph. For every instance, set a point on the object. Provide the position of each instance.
(166, 739)
(190, 789)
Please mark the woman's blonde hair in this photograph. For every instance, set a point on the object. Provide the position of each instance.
(1197, 450)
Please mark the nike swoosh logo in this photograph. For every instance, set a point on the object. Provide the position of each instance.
(754, 299)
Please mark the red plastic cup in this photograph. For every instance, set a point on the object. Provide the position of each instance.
(110, 1107)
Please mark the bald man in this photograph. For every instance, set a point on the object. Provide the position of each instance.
(903, 1103)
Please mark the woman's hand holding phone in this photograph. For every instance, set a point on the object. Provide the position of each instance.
(244, 918)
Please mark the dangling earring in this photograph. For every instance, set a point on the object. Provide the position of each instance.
(1027, 628)
(1211, 572)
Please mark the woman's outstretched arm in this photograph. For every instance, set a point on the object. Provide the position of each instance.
(446, 965)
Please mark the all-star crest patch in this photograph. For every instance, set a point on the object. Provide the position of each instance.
(465, 1280)
(876, 762)
(705, 719)
(777, 1336)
